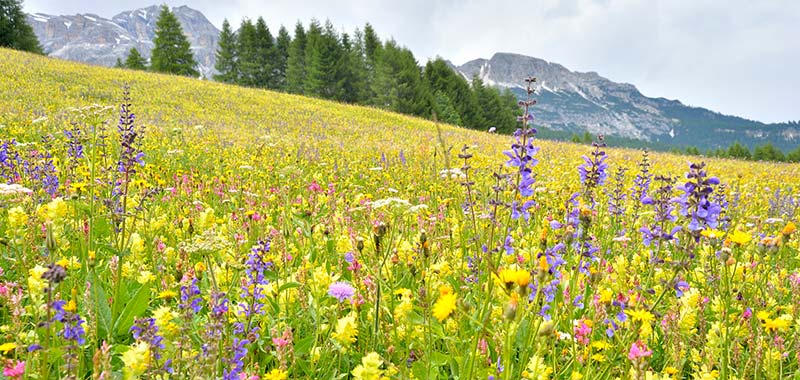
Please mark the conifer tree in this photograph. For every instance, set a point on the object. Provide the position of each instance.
(15, 32)
(282, 45)
(295, 64)
(264, 56)
(248, 61)
(172, 52)
(226, 56)
(322, 56)
(135, 61)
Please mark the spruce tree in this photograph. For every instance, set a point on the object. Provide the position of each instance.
(295, 63)
(265, 56)
(282, 45)
(356, 57)
(248, 62)
(119, 64)
(226, 56)
(135, 60)
(15, 32)
(172, 52)
(322, 55)
(372, 44)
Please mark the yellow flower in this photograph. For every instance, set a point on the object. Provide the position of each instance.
(536, 369)
(6, 347)
(136, 360)
(780, 323)
(276, 374)
(78, 187)
(346, 330)
(199, 267)
(712, 233)
(137, 244)
(164, 316)
(55, 210)
(17, 217)
(36, 284)
(445, 305)
(369, 369)
(144, 277)
(789, 229)
(739, 237)
(606, 295)
(167, 294)
(71, 306)
(641, 315)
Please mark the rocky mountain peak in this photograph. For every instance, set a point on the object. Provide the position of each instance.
(94, 39)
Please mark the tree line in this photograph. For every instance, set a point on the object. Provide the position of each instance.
(321, 62)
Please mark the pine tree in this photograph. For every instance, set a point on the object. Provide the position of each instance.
(226, 56)
(119, 63)
(135, 60)
(295, 64)
(282, 45)
(15, 32)
(172, 52)
(265, 56)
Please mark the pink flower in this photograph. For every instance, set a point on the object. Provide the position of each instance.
(639, 350)
(16, 371)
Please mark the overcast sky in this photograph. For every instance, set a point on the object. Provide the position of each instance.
(739, 57)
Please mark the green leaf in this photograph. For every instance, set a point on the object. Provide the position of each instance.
(303, 346)
(102, 308)
(136, 307)
(289, 285)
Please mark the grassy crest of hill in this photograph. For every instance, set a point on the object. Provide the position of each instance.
(251, 126)
(221, 213)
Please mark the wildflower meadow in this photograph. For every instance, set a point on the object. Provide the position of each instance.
(157, 227)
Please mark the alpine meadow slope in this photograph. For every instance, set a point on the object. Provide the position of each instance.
(573, 102)
(156, 226)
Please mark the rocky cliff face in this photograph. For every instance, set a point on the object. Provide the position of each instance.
(94, 39)
(575, 101)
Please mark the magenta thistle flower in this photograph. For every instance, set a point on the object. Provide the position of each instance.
(341, 291)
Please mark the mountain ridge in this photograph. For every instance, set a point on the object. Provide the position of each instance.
(586, 101)
(569, 101)
(87, 37)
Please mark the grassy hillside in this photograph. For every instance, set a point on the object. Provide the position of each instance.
(281, 236)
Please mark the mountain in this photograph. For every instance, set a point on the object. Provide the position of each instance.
(94, 39)
(576, 102)
(569, 101)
